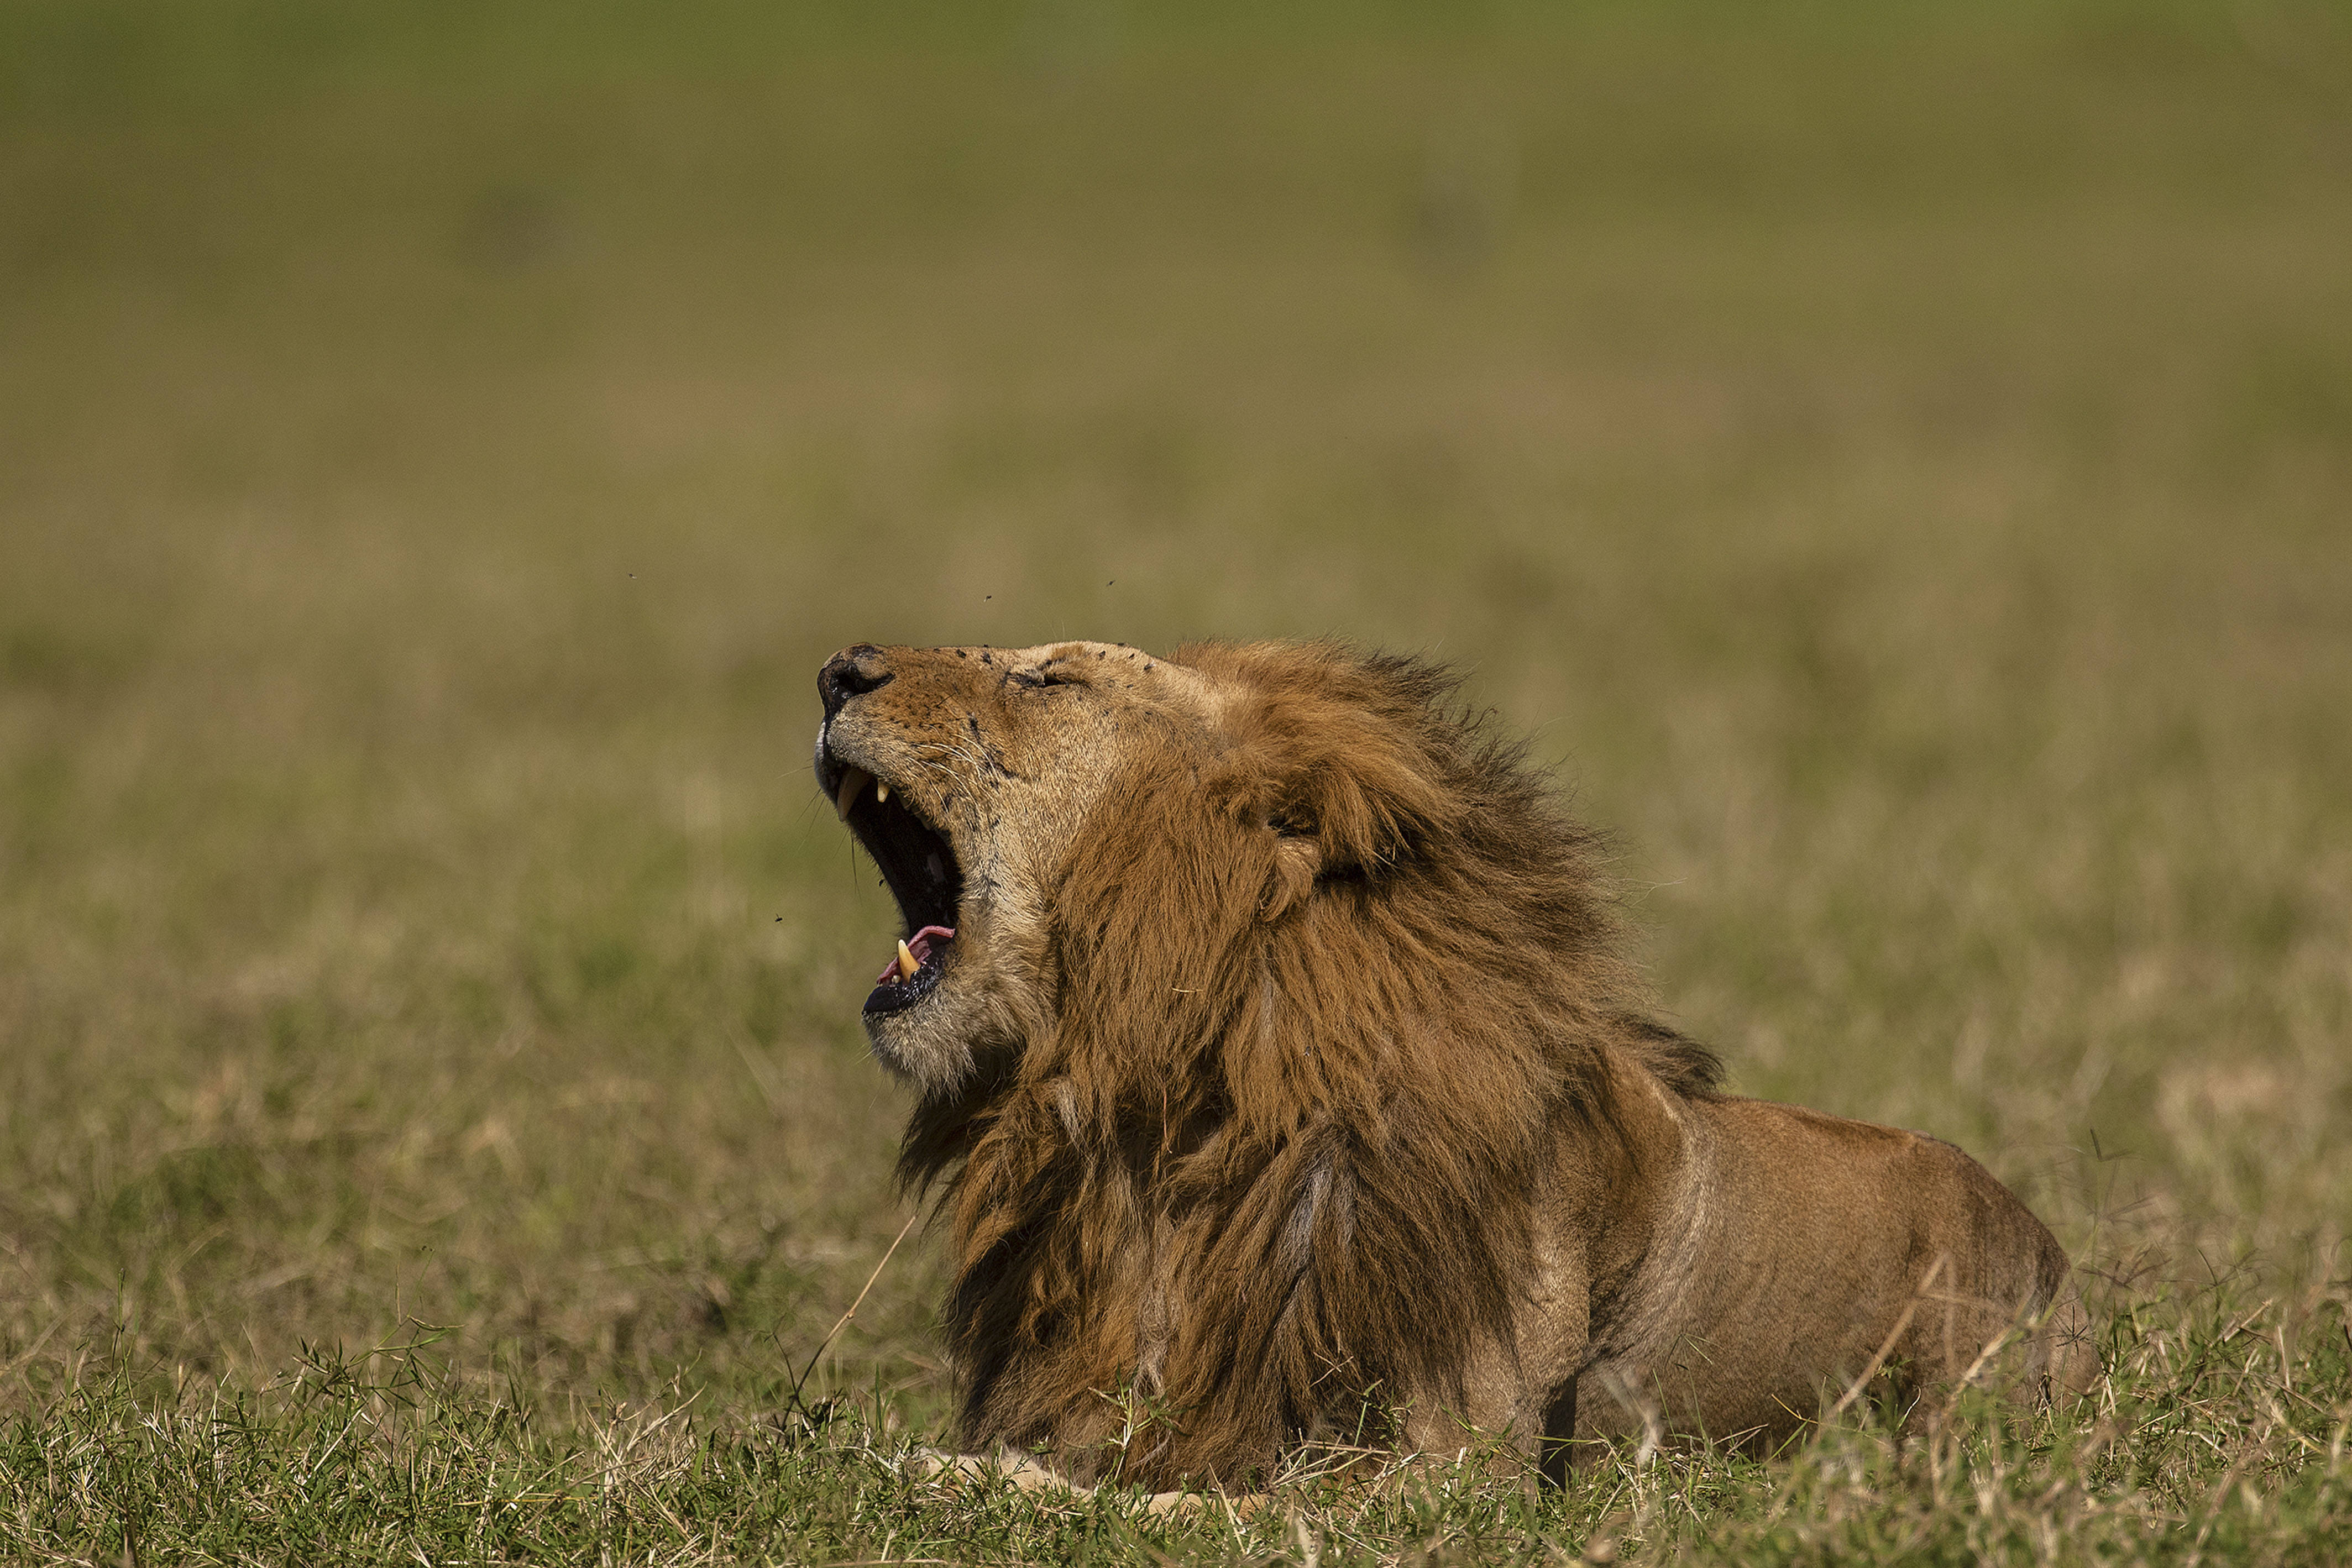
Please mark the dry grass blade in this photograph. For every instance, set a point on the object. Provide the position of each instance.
(1893, 1337)
(842, 1322)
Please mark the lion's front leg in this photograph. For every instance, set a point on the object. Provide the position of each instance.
(1023, 1471)
(1519, 1398)
(1026, 1472)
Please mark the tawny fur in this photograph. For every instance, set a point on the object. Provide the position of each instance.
(1292, 1073)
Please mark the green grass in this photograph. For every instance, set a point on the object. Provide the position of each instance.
(1897, 464)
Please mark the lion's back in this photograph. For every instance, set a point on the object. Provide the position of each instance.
(1839, 1248)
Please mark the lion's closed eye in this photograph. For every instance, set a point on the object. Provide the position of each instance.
(1044, 675)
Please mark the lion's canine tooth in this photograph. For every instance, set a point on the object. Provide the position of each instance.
(881, 791)
(852, 781)
(906, 965)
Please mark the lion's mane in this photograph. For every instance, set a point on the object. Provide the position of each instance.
(1327, 993)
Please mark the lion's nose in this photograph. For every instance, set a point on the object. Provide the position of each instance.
(849, 672)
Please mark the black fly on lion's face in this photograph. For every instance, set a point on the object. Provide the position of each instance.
(1040, 678)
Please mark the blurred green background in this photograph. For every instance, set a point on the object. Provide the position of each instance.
(1896, 461)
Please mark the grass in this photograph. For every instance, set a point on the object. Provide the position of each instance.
(1896, 464)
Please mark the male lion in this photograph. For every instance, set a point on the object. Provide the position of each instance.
(1273, 1045)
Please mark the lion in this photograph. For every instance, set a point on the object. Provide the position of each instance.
(1283, 1081)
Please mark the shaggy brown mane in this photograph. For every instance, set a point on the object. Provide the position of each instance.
(1297, 1083)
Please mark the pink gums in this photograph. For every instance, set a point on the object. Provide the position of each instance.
(919, 944)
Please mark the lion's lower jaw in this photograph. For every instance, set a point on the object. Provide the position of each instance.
(937, 1045)
(996, 995)
(925, 1049)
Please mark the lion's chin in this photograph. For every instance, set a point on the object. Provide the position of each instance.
(920, 1041)
(972, 1022)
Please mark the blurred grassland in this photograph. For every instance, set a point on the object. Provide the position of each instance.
(1897, 462)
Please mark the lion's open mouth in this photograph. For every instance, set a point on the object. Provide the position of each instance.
(920, 866)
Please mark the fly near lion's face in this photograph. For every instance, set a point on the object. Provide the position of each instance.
(1274, 1042)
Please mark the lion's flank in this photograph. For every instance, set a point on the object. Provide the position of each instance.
(1328, 980)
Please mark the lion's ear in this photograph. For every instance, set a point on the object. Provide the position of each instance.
(1357, 786)
(1343, 754)
(1297, 863)
(1367, 791)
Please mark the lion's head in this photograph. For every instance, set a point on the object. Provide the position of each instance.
(1258, 963)
(973, 775)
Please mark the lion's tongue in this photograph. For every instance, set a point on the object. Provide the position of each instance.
(915, 949)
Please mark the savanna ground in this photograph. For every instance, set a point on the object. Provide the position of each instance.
(1896, 461)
